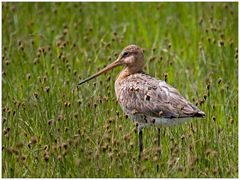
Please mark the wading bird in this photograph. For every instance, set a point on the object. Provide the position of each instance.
(145, 99)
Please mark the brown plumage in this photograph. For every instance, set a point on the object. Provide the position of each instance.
(145, 99)
(145, 95)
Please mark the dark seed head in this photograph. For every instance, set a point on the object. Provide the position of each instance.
(64, 145)
(219, 80)
(221, 43)
(50, 122)
(214, 118)
(7, 62)
(205, 96)
(46, 157)
(47, 89)
(208, 86)
(33, 140)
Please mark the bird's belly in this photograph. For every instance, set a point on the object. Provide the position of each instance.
(170, 121)
(153, 121)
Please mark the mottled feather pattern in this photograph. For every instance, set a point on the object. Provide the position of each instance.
(144, 97)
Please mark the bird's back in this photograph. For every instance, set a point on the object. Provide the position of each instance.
(142, 95)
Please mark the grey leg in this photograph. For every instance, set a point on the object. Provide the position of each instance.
(140, 141)
(158, 143)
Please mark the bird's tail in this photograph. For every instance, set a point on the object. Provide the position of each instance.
(200, 114)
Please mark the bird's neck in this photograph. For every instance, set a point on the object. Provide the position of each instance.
(128, 71)
(123, 74)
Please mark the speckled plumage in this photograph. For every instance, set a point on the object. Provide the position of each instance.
(147, 100)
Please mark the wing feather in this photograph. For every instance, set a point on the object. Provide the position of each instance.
(142, 94)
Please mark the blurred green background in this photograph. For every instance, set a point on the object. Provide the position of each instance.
(52, 129)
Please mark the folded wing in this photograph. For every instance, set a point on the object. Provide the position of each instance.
(143, 94)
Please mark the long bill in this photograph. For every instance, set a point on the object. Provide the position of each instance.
(106, 69)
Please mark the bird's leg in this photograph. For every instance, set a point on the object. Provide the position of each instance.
(159, 148)
(140, 141)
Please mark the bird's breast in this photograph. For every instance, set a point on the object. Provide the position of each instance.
(120, 82)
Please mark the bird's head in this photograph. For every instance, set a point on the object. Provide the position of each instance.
(131, 58)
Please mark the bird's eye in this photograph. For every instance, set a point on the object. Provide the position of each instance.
(125, 54)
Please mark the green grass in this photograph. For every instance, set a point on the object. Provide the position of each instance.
(52, 129)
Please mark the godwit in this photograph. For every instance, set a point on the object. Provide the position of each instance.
(145, 99)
